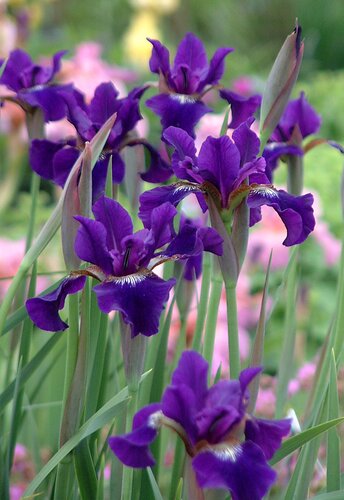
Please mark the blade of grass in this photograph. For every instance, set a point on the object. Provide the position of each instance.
(333, 442)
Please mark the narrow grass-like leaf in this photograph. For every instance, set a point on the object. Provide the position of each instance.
(224, 126)
(85, 471)
(203, 303)
(97, 421)
(333, 442)
(334, 495)
(155, 488)
(29, 369)
(258, 345)
(292, 444)
(287, 353)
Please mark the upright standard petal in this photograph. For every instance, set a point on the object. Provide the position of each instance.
(133, 449)
(140, 297)
(241, 469)
(104, 103)
(91, 244)
(299, 112)
(115, 219)
(190, 65)
(219, 163)
(216, 68)
(160, 58)
(43, 311)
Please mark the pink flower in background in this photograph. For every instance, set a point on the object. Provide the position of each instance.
(87, 70)
(22, 472)
(11, 254)
(244, 85)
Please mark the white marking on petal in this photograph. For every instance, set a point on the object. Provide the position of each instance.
(267, 191)
(229, 453)
(154, 420)
(130, 279)
(183, 98)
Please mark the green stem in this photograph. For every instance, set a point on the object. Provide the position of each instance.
(287, 353)
(203, 303)
(233, 333)
(72, 343)
(213, 309)
(295, 174)
(128, 472)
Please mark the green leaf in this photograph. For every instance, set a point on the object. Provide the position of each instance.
(333, 442)
(29, 369)
(153, 483)
(2, 67)
(258, 346)
(93, 424)
(224, 126)
(334, 495)
(292, 444)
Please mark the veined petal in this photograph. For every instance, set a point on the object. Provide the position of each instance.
(91, 244)
(132, 449)
(192, 370)
(104, 103)
(160, 58)
(190, 54)
(219, 163)
(267, 434)
(241, 469)
(178, 110)
(140, 297)
(246, 141)
(115, 219)
(43, 311)
(296, 212)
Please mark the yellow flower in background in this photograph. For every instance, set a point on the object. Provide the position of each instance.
(159, 6)
(137, 48)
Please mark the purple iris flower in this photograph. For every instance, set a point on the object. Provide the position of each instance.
(228, 447)
(298, 121)
(182, 86)
(229, 171)
(242, 108)
(54, 160)
(33, 84)
(123, 262)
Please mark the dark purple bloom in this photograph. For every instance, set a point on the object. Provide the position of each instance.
(33, 84)
(298, 114)
(229, 448)
(123, 262)
(230, 172)
(54, 160)
(181, 87)
(44, 310)
(242, 107)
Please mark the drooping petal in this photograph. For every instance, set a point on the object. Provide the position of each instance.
(115, 219)
(296, 212)
(267, 434)
(216, 68)
(139, 297)
(91, 244)
(178, 111)
(49, 99)
(128, 115)
(42, 153)
(158, 169)
(218, 163)
(241, 469)
(133, 449)
(242, 107)
(173, 193)
(43, 311)
(63, 162)
(274, 151)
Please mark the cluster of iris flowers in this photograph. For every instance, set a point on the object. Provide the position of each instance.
(228, 447)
